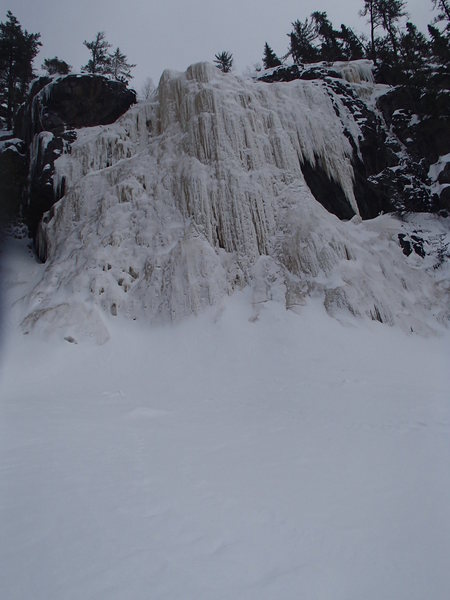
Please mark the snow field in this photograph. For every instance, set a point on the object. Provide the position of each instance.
(226, 456)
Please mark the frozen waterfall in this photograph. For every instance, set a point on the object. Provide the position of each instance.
(200, 192)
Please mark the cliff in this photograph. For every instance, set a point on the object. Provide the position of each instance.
(44, 129)
(220, 184)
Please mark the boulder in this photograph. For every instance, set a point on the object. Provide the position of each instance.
(72, 102)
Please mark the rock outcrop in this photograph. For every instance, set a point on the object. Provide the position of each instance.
(72, 102)
(216, 185)
(46, 123)
(402, 137)
(13, 175)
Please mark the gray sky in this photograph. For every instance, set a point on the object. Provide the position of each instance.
(175, 33)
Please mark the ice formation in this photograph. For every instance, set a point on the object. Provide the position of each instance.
(200, 191)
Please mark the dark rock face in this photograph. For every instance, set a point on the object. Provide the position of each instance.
(46, 123)
(72, 102)
(47, 147)
(374, 154)
(282, 74)
(444, 199)
(326, 191)
(421, 122)
(425, 132)
(410, 243)
(393, 157)
(444, 175)
(13, 174)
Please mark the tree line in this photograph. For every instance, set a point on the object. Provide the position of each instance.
(18, 49)
(399, 54)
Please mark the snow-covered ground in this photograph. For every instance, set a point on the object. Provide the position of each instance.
(223, 457)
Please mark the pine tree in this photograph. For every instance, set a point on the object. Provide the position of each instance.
(440, 46)
(18, 48)
(389, 13)
(385, 14)
(99, 61)
(301, 39)
(55, 66)
(414, 50)
(443, 6)
(370, 11)
(331, 48)
(352, 46)
(270, 59)
(224, 61)
(118, 67)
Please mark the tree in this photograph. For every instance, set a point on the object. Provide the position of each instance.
(385, 14)
(389, 12)
(443, 6)
(147, 89)
(18, 48)
(330, 49)
(369, 10)
(224, 61)
(270, 59)
(118, 67)
(440, 46)
(301, 40)
(55, 66)
(352, 46)
(99, 61)
(414, 50)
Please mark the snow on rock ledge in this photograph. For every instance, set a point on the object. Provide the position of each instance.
(201, 191)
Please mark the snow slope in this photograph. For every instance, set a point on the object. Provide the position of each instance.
(200, 193)
(243, 451)
(222, 457)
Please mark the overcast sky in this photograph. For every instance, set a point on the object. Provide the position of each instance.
(176, 33)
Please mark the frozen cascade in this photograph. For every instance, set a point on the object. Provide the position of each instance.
(355, 71)
(200, 191)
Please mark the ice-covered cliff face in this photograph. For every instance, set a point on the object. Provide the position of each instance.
(201, 192)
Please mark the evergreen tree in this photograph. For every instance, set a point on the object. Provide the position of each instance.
(352, 46)
(370, 11)
(18, 48)
(330, 49)
(443, 6)
(270, 59)
(301, 39)
(55, 66)
(389, 13)
(440, 45)
(385, 14)
(414, 50)
(224, 61)
(99, 61)
(118, 67)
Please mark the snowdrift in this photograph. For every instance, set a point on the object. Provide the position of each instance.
(200, 192)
